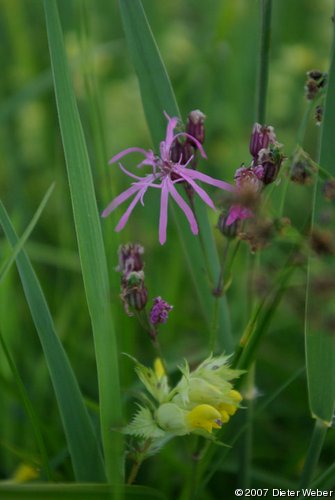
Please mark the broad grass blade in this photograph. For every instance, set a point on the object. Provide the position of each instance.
(319, 336)
(82, 441)
(90, 244)
(157, 97)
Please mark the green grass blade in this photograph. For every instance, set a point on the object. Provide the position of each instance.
(74, 492)
(44, 461)
(91, 247)
(320, 345)
(157, 97)
(81, 439)
(7, 264)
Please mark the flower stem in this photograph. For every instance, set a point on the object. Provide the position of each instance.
(263, 65)
(217, 292)
(313, 454)
(140, 457)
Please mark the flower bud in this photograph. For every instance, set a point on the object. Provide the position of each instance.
(271, 160)
(318, 114)
(316, 81)
(134, 294)
(230, 231)
(160, 311)
(130, 258)
(261, 137)
(195, 125)
(181, 151)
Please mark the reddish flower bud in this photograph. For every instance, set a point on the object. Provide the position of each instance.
(261, 137)
(195, 125)
(130, 258)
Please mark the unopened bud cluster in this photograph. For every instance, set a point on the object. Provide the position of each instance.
(316, 80)
(266, 161)
(185, 150)
(134, 293)
(314, 88)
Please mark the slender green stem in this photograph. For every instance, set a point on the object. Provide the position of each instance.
(313, 454)
(201, 239)
(140, 457)
(246, 443)
(300, 140)
(264, 55)
(217, 292)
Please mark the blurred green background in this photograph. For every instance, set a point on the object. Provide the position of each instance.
(210, 50)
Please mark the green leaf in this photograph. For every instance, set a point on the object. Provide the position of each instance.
(157, 97)
(74, 491)
(7, 264)
(90, 244)
(81, 439)
(320, 345)
(27, 404)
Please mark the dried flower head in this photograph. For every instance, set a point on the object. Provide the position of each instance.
(316, 80)
(329, 190)
(302, 172)
(322, 242)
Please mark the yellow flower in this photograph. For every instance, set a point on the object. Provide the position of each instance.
(25, 473)
(204, 417)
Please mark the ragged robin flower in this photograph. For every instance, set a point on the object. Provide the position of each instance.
(166, 173)
(202, 401)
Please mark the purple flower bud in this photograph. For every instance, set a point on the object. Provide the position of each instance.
(130, 258)
(229, 231)
(160, 311)
(195, 125)
(181, 151)
(271, 160)
(134, 294)
(261, 137)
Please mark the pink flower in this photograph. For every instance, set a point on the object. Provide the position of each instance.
(248, 182)
(165, 175)
(237, 212)
(160, 311)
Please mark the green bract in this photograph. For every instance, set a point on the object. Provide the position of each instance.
(201, 401)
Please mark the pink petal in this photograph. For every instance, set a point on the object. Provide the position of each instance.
(127, 151)
(201, 192)
(185, 208)
(237, 212)
(165, 145)
(124, 219)
(120, 199)
(163, 218)
(196, 142)
(195, 174)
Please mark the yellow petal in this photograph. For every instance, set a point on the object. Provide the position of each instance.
(159, 368)
(204, 417)
(235, 395)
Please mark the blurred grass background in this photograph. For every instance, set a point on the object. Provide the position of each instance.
(210, 50)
